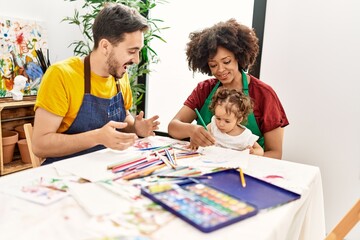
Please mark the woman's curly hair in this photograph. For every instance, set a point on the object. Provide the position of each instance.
(235, 37)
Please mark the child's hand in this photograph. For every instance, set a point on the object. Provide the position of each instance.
(251, 149)
(192, 146)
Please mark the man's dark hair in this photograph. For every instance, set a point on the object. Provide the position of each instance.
(114, 20)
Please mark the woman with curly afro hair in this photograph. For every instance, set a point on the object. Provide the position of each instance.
(226, 51)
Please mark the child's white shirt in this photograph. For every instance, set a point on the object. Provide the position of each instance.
(239, 142)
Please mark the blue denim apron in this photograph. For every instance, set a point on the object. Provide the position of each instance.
(94, 113)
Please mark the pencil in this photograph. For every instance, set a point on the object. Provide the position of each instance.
(168, 155)
(165, 160)
(201, 119)
(188, 156)
(53, 188)
(174, 158)
(173, 176)
(143, 172)
(242, 178)
(126, 161)
(183, 149)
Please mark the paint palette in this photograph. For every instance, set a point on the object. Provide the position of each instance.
(202, 206)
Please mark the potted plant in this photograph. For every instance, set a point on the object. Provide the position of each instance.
(83, 47)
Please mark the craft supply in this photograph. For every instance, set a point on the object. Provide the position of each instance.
(43, 62)
(195, 177)
(175, 159)
(201, 119)
(242, 178)
(204, 207)
(170, 170)
(165, 160)
(183, 149)
(183, 171)
(168, 155)
(188, 155)
(125, 161)
(155, 148)
(258, 192)
(141, 173)
(151, 162)
(128, 165)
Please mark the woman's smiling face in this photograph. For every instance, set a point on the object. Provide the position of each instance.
(224, 67)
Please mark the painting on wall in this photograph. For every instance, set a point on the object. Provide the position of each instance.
(23, 51)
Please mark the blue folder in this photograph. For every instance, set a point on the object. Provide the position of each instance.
(257, 192)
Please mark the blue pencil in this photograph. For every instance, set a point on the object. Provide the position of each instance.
(168, 155)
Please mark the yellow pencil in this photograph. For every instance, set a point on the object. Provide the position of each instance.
(242, 178)
(175, 159)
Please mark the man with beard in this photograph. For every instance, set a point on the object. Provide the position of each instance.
(83, 104)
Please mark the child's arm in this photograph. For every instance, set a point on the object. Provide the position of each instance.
(256, 149)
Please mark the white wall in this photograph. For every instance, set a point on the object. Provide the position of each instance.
(171, 82)
(311, 58)
(60, 35)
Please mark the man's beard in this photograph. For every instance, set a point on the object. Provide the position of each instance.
(113, 65)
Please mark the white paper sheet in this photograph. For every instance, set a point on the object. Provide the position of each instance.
(94, 167)
(215, 157)
(97, 200)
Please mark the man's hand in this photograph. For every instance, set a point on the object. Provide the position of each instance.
(146, 127)
(111, 138)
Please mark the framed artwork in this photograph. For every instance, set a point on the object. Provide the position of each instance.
(23, 51)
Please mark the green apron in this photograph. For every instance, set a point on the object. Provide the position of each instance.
(251, 122)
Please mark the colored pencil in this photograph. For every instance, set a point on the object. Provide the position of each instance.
(188, 156)
(183, 149)
(242, 178)
(175, 159)
(143, 173)
(126, 161)
(165, 160)
(155, 148)
(172, 176)
(168, 155)
(129, 165)
(201, 119)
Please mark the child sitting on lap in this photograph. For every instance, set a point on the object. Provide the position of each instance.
(231, 109)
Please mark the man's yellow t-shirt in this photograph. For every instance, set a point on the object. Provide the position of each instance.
(62, 89)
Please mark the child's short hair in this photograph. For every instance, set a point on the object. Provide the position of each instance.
(234, 102)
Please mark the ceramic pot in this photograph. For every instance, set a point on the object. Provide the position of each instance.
(21, 132)
(9, 140)
(24, 151)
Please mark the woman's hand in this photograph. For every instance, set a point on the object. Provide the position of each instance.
(200, 137)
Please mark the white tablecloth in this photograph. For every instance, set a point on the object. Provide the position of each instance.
(65, 219)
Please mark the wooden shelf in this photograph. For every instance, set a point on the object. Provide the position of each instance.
(14, 166)
(12, 114)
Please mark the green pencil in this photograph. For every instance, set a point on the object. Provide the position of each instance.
(201, 119)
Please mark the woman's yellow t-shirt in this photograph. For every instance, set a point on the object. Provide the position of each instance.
(61, 90)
